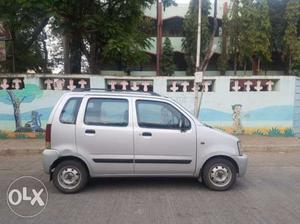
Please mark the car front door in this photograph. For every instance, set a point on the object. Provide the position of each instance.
(104, 134)
(164, 139)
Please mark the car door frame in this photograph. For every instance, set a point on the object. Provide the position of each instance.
(107, 164)
(139, 160)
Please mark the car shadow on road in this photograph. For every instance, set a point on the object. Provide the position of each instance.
(143, 182)
(148, 183)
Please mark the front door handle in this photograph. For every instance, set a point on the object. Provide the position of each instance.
(90, 131)
(147, 134)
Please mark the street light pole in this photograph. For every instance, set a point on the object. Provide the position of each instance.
(198, 74)
(159, 35)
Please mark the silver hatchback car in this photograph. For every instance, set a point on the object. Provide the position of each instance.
(125, 134)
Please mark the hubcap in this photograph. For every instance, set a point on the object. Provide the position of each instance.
(69, 177)
(220, 175)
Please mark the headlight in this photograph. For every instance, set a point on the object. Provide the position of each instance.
(239, 146)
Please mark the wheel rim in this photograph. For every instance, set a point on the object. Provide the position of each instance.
(220, 175)
(69, 177)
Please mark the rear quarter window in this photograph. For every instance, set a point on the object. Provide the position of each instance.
(69, 113)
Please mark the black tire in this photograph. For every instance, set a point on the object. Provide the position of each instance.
(72, 166)
(211, 177)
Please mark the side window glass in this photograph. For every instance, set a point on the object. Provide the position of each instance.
(158, 115)
(69, 113)
(110, 112)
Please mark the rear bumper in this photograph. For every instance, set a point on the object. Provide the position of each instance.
(49, 157)
(242, 162)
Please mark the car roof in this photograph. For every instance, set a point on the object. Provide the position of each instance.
(103, 92)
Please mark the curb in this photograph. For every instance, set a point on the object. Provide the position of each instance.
(270, 148)
(14, 152)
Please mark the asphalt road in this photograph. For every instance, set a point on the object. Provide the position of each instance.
(269, 193)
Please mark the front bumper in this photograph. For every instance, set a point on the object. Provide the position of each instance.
(49, 157)
(242, 162)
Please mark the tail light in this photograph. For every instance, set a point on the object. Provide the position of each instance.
(48, 136)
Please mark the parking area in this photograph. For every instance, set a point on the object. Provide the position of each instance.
(269, 193)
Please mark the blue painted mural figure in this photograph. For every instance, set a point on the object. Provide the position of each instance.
(237, 121)
(35, 123)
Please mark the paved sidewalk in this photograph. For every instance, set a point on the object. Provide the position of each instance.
(21, 146)
(249, 144)
(252, 143)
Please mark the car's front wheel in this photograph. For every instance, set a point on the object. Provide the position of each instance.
(219, 174)
(70, 176)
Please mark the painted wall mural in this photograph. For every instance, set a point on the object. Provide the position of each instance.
(236, 117)
(15, 99)
(266, 121)
(266, 106)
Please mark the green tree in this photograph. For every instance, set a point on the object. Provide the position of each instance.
(190, 25)
(223, 58)
(291, 39)
(25, 20)
(167, 61)
(262, 41)
(276, 13)
(234, 28)
(249, 28)
(104, 31)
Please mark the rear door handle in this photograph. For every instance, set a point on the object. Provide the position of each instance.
(147, 134)
(90, 131)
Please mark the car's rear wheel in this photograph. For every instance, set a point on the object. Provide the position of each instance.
(219, 174)
(70, 176)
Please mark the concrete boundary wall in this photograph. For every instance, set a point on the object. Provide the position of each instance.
(260, 105)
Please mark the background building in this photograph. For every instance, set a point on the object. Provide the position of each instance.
(172, 27)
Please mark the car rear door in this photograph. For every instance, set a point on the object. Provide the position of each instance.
(104, 134)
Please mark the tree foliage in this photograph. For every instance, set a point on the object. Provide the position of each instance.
(249, 31)
(276, 13)
(223, 58)
(105, 31)
(190, 25)
(101, 30)
(167, 61)
(25, 20)
(291, 38)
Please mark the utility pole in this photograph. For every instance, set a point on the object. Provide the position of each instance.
(198, 74)
(159, 27)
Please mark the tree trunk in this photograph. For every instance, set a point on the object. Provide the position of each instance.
(36, 33)
(13, 50)
(16, 105)
(94, 57)
(75, 50)
(254, 66)
(290, 64)
(235, 64)
(66, 46)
